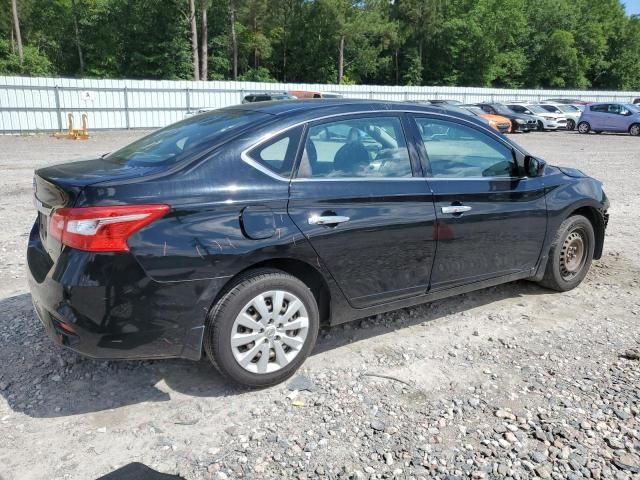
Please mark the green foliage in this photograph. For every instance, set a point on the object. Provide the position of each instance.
(502, 43)
(35, 64)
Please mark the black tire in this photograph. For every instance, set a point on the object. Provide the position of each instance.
(634, 130)
(584, 127)
(558, 275)
(540, 126)
(571, 125)
(221, 318)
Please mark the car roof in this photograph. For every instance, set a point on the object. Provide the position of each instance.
(330, 106)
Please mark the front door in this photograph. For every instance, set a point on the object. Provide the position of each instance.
(490, 222)
(361, 200)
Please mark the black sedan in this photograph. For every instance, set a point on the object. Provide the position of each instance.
(519, 122)
(239, 232)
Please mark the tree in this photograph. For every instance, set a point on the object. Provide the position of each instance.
(194, 40)
(500, 43)
(204, 42)
(16, 29)
(234, 39)
(74, 11)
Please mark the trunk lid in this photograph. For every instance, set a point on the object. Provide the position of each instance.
(59, 186)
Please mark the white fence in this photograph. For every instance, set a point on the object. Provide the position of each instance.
(43, 104)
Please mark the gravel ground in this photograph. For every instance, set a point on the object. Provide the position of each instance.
(510, 382)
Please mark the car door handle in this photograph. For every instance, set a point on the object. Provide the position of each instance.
(327, 219)
(456, 209)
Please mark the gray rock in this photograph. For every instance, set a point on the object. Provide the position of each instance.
(473, 402)
(301, 383)
(543, 471)
(378, 425)
(538, 457)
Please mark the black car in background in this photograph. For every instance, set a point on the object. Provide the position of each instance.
(443, 101)
(519, 122)
(240, 231)
(267, 97)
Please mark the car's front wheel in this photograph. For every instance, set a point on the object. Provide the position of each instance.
(571, 125)
(570, 255)
(262, 329)
(584, 127)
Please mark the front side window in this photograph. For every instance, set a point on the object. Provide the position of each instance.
(617, 109)
(458, 151)
(356, 147)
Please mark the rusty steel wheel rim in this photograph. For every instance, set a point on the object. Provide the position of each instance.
(573, 254)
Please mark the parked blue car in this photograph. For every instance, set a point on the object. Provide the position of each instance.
(610, 117)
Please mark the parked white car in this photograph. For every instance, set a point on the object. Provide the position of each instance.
(572, 112)
(546, 120)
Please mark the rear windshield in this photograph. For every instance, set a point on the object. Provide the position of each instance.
(173, 143)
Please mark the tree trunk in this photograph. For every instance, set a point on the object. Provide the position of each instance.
(16, 28)
(234, 43)
(284, 58)
(341, 60)
(194, 40)
(204, 43)
(77, 34)
(255, 50)
(397, 67)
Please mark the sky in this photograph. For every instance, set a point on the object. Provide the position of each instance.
(632, 6)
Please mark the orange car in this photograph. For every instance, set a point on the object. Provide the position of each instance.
(498, 122)
(308, 94)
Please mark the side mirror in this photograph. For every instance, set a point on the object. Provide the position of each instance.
(533, 167)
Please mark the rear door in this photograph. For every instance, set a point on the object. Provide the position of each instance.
(598, 116)
(360, 198)
(490, 222)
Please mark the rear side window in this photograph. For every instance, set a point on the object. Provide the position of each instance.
(599, 108)
(278, 154)
(458, 151)
(356, 148)
(175, 142)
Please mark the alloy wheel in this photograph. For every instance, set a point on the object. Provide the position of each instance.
(583, 127)
(635, 130)
(269, 331)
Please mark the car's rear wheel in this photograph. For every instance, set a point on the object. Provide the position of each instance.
(571, 125)
(635, 129)
(570, 255)
(584, 127)
(262, 329)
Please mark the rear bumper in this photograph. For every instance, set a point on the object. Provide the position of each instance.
(105, 306)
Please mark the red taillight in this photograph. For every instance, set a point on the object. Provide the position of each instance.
(102, 229)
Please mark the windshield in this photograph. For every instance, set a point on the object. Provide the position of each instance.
(503, 109)
(167, 146)
(536, 109)
(475, 110)
(568, 108)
